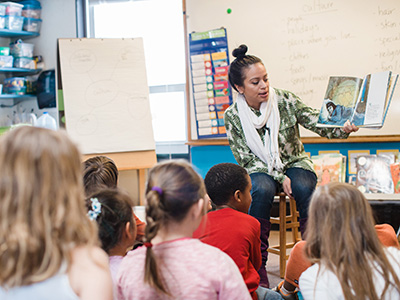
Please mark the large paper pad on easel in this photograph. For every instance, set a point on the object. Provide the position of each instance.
(106, 96)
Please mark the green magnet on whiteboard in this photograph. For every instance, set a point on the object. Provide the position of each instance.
(229, 10)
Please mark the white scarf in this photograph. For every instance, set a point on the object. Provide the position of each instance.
(269, 151)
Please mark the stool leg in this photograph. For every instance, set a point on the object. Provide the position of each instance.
(282, 235)
(293, 213)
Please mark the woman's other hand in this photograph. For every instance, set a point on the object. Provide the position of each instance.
(287, 187)
(349, 127)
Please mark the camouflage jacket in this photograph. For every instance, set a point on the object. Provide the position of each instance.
(292, 113)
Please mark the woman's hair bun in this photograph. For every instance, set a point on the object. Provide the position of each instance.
(240, 51)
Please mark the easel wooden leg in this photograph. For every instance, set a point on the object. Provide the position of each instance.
(142, 185)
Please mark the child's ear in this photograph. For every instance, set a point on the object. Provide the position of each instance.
(199, 208)
(130, 232)
(236, 196)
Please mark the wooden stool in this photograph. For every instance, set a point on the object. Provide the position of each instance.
(285, 222)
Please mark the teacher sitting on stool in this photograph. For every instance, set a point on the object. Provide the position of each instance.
(263, 131)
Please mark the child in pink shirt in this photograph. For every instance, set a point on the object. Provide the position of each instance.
(173, 265)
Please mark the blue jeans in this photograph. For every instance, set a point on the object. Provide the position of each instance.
(264, 188)
(267, 294)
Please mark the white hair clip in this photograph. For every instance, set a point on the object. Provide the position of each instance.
(96, 209)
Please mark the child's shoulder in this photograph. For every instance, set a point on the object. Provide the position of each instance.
(89, 263)
(232, 222)
(85, 255)
(394, 254)
(233, 214)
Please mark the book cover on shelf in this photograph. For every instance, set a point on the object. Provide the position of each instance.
(395, 170)
(365, 102)
(329, 168)
(374, 174)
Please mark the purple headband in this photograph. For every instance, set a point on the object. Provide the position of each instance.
(157, 189)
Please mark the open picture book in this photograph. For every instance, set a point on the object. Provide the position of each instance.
(364, 102)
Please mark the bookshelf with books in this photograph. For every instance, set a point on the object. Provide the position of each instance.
(329, 167)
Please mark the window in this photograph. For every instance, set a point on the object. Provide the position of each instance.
(160, 24)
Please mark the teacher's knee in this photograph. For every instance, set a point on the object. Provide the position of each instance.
(263, 186)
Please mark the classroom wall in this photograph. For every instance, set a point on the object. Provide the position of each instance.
(59, 21)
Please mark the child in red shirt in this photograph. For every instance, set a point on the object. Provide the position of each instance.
(230, 228)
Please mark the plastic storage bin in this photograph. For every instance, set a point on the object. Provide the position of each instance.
(14, 23)
(24, 62)
(15, 85)
(6, 61)
(31, 9)
(3, 9)
(32, 25)
(21, 49)
(2, 22)
(13, 9)
(4, 50)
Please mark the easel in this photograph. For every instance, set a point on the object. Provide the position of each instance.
(106, 101)
(134, 160)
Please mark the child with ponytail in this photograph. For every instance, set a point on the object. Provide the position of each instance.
(171, 264)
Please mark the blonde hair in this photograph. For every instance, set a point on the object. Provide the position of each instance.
(42, 212)
(173, 188)
(341, 236)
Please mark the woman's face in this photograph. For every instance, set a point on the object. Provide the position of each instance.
(255, 85)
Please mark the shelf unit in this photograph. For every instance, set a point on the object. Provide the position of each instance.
(16, 99)
(20, 71)
(15, 96)
(6, 33)
(17, 33)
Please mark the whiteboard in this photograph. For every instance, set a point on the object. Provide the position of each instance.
(303, 42)
(106, 96)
